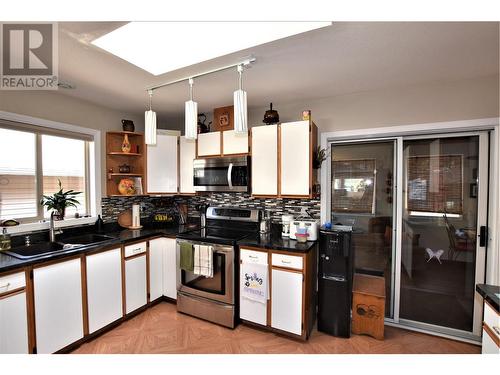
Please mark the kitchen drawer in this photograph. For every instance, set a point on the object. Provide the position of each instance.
(12, 282)
(492, 319)
(135, 249)
(287, 261)
(252, 256)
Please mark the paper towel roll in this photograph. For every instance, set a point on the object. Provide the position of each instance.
(136, 216)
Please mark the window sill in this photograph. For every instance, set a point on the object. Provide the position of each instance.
(32, 227)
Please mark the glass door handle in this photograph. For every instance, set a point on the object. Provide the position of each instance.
(483, 235)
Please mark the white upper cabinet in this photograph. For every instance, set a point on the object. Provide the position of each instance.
(234, 143)
(295, 161)
(187, 155)
(209, 144)
(104, 288)
(162, 164)
(58, 305)
(265, 160)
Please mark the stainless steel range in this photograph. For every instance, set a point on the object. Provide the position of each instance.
(214, 298)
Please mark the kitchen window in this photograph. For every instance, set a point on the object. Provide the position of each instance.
(32, 161)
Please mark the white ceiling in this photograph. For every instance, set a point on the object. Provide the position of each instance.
(340, 59)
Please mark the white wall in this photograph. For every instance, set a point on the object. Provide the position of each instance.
(424, 103)
(54, 106)
(432, 102)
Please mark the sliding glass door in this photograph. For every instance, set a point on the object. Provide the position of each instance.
(441, 257)
(362, 196)
(417, 205)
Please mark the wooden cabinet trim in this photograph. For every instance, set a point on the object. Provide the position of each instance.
(55, 261)
(30, 310)
(279, 159)
(148, 283)
(136, 256)
(85, 307)
(124, 285)
(286, 269)
(254, 248)
(492, 334)
(12, 292)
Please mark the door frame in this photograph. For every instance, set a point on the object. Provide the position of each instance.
(492, 257)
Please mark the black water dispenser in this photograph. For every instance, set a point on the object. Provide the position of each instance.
(335, 278)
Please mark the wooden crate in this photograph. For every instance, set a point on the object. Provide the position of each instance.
(368, 305)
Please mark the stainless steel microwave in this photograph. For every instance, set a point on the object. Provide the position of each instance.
(229, 174)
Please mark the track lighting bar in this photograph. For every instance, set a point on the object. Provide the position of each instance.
(243, 63)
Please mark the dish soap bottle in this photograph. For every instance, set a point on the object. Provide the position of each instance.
(4, 240)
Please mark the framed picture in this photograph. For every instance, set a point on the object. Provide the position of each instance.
(223, 118)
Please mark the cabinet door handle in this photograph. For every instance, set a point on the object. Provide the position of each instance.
(286, 261)
(253, 257)
(6, 286)
(137, 249)
(497, 330)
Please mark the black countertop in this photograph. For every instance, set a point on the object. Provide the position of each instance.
(119, 236)
(276, 242)
(489, 293)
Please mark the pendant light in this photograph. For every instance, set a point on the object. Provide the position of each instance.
(240, 106)
(150, 122)
(191, 115)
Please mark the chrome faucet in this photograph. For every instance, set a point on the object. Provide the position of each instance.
(52, 231)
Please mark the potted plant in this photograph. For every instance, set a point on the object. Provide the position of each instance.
(320, 155)
(60, 200)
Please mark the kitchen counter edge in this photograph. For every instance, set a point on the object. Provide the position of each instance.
(9, 263)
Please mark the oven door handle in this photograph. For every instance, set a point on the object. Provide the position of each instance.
(229, 177)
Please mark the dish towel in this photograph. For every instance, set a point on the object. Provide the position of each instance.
(203, 264)
(254, 282)
(186, 257)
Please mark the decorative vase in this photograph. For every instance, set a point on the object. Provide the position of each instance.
(126, 186)
(60, 214)
(126, 146)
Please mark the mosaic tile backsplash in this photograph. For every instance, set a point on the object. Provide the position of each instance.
(112, 206)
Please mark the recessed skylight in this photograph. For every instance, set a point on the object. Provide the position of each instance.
(160, 47)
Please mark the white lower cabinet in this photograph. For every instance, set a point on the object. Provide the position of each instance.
(162, 268)
(250, 310)
(488, 345)
(58, 305)
(169, 268)
(13, 324)
(156, 268)
(286, 297)
(135, 283)
(104, 288)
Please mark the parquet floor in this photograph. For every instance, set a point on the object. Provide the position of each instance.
(161, 329)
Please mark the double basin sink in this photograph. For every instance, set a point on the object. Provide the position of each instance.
(50, 248)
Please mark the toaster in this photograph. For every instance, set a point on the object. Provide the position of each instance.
(310, 225)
